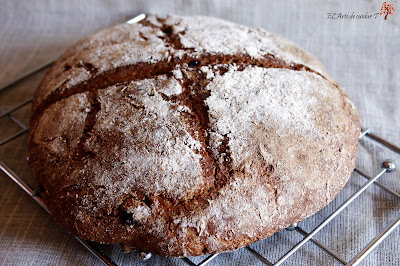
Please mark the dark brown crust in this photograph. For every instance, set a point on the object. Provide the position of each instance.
(218, 170)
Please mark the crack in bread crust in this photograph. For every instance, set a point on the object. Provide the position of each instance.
(81, 153)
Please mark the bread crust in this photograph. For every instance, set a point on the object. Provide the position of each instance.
(186, 136)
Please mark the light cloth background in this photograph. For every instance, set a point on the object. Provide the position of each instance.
(363, 55)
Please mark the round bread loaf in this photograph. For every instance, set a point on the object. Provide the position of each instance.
(188, 136)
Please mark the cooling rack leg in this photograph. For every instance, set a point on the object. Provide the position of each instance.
(145, 256)
(292, 228)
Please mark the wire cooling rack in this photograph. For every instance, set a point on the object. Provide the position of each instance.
(387, 167)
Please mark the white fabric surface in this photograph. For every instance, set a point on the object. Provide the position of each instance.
(363, 55)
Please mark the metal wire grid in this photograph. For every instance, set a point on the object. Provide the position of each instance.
(387, 166)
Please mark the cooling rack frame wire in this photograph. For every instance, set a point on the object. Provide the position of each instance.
(387, 167)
